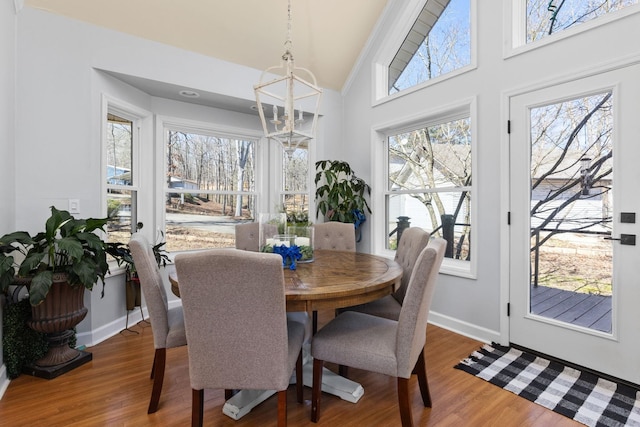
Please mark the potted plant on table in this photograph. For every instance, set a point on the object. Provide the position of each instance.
(341, 197)
(56, 266)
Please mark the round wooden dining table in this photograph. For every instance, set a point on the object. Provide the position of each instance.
(334, 279)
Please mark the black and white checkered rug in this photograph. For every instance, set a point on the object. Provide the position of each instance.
(582, 396)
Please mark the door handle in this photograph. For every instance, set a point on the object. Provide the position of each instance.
(625, 239)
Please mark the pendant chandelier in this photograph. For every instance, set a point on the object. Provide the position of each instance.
(288, 104)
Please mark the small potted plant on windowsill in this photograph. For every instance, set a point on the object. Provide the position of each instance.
(122, 254)
(342, 195)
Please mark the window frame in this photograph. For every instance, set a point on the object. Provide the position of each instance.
(165, 123)
(380, 189)
(515, 24)
(141, 120)
(390, 45)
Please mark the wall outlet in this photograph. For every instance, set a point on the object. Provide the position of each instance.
(74, 206)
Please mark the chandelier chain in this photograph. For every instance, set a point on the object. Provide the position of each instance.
(288, 43)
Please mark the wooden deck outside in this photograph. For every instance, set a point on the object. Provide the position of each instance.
(590, 311)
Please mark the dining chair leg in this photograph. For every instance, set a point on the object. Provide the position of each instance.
(343, 371)
(316, 389)
(153, 366)
(158, 376)
(404, 402)
(314, 322)
(197, 407)
(421, 371)
(299, 380)
(282, 408)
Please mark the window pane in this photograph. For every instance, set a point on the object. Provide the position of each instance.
(295, 196)
(437, 156)
(296, 170)
(438, 43)
(201, 221)
(119, 150)
(443, 214)
(546, 17)
(121, 214)
(121, 200)
(211, 187)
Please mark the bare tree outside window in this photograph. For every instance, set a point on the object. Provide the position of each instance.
(438, 43)
(121, 197)
(571, 200)
(430, 183)
(546, 17)
(295, 182)
(210, 187)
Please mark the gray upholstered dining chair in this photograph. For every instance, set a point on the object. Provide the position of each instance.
(238, 334)
(167, 323)
(248, 239)
(248, 236)
(335, 236)
(412, 242)
(385, 346)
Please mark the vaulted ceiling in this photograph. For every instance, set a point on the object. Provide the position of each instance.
(327, 35)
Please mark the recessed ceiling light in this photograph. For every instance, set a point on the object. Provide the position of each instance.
(189, 94)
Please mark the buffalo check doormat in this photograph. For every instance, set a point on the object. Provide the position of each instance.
(582, 396)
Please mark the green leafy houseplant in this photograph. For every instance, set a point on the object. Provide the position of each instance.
(122, 254)
(341, 197)
(68, 245)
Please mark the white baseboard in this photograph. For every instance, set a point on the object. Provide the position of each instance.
(96, 336)
(463, 328)
(4, 381)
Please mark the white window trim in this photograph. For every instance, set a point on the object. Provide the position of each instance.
(389, 46)
(379, 133)
(514, 13)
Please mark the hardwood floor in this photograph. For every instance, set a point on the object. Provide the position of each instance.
(114, 389)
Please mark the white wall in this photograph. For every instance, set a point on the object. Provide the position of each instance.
(7, 98)
(59, 89)
(473, 306)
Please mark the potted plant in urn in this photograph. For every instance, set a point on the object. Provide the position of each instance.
(56, 265)
(341, 197)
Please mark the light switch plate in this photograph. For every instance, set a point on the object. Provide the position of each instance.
(74, 206)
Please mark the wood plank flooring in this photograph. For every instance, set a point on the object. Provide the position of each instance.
(590, 311)
(114, 389)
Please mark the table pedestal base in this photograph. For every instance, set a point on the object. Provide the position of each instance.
(245, 400)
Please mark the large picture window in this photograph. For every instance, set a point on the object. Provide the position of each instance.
(210, 186)
(429, 170)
